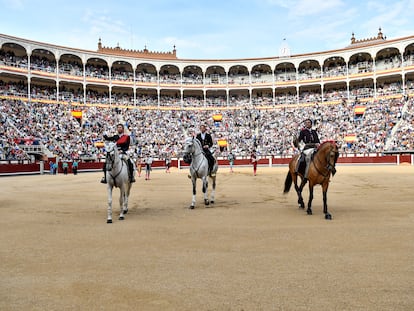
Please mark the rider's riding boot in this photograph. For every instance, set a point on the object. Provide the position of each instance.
(103, 180)
(305, 175)
(299, 164)
(131, 172)
(210, 167)
(211, 171)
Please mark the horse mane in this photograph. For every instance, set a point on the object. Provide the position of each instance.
(110, 145)
(327, 142)
(198, 142)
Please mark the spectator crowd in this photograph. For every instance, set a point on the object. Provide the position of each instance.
(386, 124)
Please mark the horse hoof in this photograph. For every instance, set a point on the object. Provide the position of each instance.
(121, 217)
(191, 207)
(328, 216)
(206, 202)
(212, 201)
(309, 212)
(109, 221)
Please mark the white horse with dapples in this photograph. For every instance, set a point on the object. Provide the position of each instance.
(193, 153)
(117, 176)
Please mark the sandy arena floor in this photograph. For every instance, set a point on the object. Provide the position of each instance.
(253, 250)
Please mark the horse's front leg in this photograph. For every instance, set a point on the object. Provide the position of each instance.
(123, 204)
(193, 201)
(328, 216)
(205, 190)
(127, 192)
(109, 210)
(213, 189)
(309, 210)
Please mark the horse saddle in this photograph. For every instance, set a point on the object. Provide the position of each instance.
(301, 165)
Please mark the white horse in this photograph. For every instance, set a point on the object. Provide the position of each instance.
(193, 153)
(116, 176)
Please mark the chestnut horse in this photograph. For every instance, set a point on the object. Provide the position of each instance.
(320, 169)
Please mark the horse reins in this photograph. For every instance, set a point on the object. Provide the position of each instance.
(329, 167)
(112, 165)
(195, 155)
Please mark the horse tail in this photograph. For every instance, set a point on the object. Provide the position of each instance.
(288, 182)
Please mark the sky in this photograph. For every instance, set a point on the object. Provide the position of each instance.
(207, 29)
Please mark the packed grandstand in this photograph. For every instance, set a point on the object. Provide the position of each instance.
(59, 101)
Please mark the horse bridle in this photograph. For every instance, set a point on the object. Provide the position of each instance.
(196, 154)
(330, 167)
(111, 156)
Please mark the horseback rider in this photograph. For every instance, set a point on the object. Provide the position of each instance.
(309, 137)
(122, 142)
(206, 142)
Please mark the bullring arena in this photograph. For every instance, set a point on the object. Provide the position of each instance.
(253, 249)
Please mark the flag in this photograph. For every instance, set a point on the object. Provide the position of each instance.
(222, 143)
(359, 109)
(350, 138)
(217, 117)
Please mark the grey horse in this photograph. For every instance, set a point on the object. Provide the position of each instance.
(193, 153)
(117, 176)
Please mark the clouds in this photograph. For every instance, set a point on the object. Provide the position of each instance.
(101, 22)
(297, 8)
(316, 7)
(207, 29)
(394, 18)
(13, 4)
(206, 45)
(324, 25)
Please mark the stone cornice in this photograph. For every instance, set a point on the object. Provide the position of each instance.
(145, 53)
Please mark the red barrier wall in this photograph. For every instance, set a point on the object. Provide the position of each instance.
(373, 160)
(405, 158)
(19, 168)
(91, 166)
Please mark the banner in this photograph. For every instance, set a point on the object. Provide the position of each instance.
(359, 109)
(99, 144)
(350, 138)
(217, 117)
